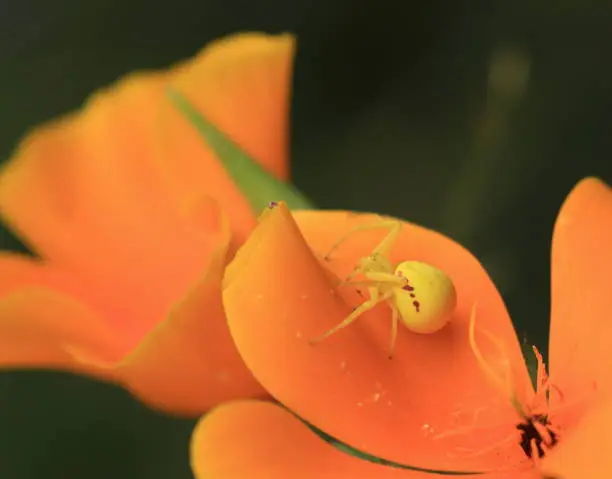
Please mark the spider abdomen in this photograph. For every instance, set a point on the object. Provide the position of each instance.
(427, 301)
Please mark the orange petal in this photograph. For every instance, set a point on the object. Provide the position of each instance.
(43, 325)
(96, 192)
(260, 440)
(581, 301)
(242, 85)
(189, 362)
(86, 194)
(584, 451)
(120, 199)
(277, 296)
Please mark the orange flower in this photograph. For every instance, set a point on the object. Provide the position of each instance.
(128, 210)
(459, 399)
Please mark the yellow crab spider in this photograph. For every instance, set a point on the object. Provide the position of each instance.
(421, 296)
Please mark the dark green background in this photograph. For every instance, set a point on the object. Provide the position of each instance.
(393, 112)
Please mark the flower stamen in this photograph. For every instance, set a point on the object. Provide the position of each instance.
(502, 385)
(537, 433)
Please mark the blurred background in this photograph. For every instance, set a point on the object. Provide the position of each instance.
(473, 117)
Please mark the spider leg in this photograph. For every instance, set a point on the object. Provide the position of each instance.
(386, 278)
(376, 278)
(503, 383)
(356, 284)
(383, 247)
(394, 321)
(375, 298)
(365, 282)
(354, 273)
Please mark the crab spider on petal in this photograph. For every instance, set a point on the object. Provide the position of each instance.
(421, 296)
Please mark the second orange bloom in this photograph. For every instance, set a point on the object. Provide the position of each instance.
(133, 218)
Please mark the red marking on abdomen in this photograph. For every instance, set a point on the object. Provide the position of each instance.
(410, 288)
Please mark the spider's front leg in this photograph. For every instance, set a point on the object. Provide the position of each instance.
(382, 287)
(378, 260)
(375, 298)
(394, 228)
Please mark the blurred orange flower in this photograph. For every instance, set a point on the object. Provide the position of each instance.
(460, 399)
(132, 216)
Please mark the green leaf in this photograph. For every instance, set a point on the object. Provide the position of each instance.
(364, 456)
(258, 186)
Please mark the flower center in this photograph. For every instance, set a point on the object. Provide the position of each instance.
(537, 436)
